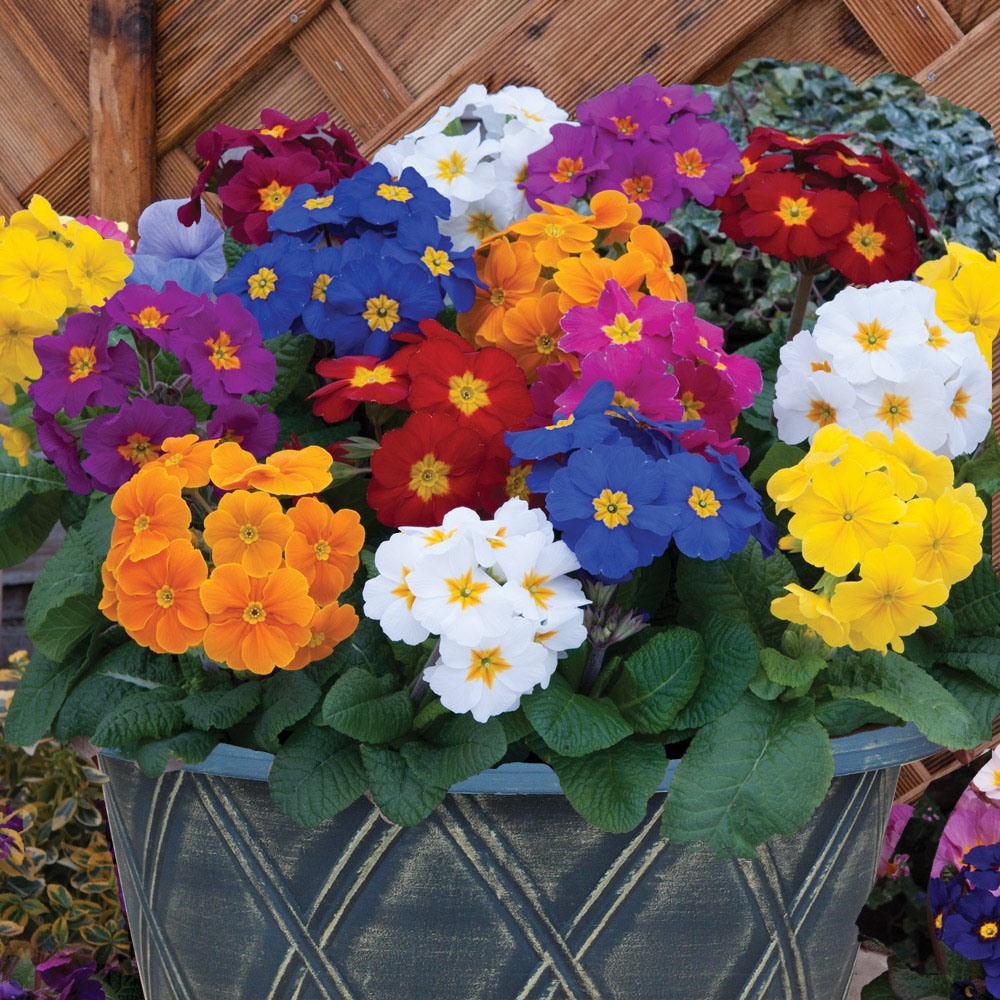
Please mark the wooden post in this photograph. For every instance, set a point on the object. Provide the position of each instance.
(122, 109)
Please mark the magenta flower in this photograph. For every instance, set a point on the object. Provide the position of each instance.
(638, 384)
(552, 381)
(79, 369)
(706, 159)
(224, 353)
(559, 171)
(680, 98)
(898, 818)
(72, 976)
(119, 444)
(616, 319)
(704, 394)
(645, 171)
(630, 112)
(156, 315)
(106, 228)
(972, 823)
(253, 428)
(706, 440)
(60, 448)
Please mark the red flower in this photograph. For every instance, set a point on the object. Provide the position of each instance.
(430, 329)
(424, 469)
(359, 378)
(878, 244)
(485, 390)
(908, 192)
(733, 202)
(790, 222)
(774, 138)
(845, 163)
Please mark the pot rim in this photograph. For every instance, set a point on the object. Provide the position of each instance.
(868, 750)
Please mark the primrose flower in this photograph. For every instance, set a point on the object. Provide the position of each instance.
(358, 378)
(306, 212)
(537, 584)
(324, 547)
(878, 243)
(249, 529)
(970, 301)
(285, 473)
(616, 319)
(559, 172)
(97, 267)
(163, 238)
(987, 778)
(532, 332)
(973, 929)
(808, 608)
(379, 199)
(19, 328)
(62, 449)
(33, 272)
(149, 515)
(329, 627)
(419, 241)
(254, 428)
(157, 315)
(972, 823)
(944, 535)
(705, 157)
(455, 165)
(388, 598)
(967, 397)
(803, 405)
(914, 403)
(186, 459)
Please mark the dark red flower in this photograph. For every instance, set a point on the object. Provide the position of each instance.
(908, 192)
(359, 378)
(878, 243)
(424, 469)
(776, 139)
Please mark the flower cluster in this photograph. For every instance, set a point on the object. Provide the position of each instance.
(966, 284)
(496, 593)
(264, 165)
(475, 153)
(819, 202)
(650, 142)
(270, 598)
(883, 520)
(881, 358)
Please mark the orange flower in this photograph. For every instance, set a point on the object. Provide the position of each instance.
(187, 459)
(555, 233)
(109, 598)
(329, 627)
(612, 211)
(158, 598)
(149, 514)
(256, 623)
(582, 279)
(531, 333)
(285, 473)
(250, 529)
(324, 547)
(509, 272)
(660, 277)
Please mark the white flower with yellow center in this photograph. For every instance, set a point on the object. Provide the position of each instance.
(560, 634)
(944, 349)
(513, 520)
(528, 106)
(471, 222)
(802, 357)
(489, 676)
(453, 531)
(871, 332)
(805, 403)
(388, 598)
(467, 105)
(987, 779)
(537, 582)
(455, 165)
(967, 398)
(914, 404)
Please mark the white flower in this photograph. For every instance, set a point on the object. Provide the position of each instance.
(453, 531)
(471, 222)
(388, 599)
(944, 349)
(396, 157)
(914, 404)
(529, 106)
(967, 397)
(464, 106)
(535, 568)
(456, 599)
(561, 634)
(455, 164)
(802, 357)
(871, 332)
(803, 404)
(987, 779)
(515, 518)
(489, 676)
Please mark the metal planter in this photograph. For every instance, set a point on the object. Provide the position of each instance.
(503, 894)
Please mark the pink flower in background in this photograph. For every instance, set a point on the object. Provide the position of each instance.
(107, 228)
(987, 779)
(887, 865)
(973, 823)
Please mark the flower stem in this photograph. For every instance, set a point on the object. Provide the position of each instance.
(806, 279)
(592, 669)
(418, 686)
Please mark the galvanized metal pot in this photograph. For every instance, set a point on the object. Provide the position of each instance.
(503, 894)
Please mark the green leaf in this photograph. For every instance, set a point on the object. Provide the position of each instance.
(900, 686)
(784, 670)
(978, 653)
(847, 715)
(221, 708)
(26, 525)
(144, 714)
(190, 746)
(316, 774)
(573, 724)
(17, 481)
(460, 750)
(975, 601)
(515, 724)
(778, 456)
(139, 666)
(658, 679)
(93, 697)
(368, 708)
(766, 352)
(983, 471)
(287, 697)
(233, 250)
(731, 655)
(292, 353)
(980, 698)
(611, 788)
(402, 796)
(367, 649)
(38, 697)
(759, 770)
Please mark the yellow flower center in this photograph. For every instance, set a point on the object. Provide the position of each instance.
(141, 524)
(692, 406)
(894, 411)
(394, 192)
(989, 930)
(638, 188)
(437, 261)
(517, 482)
(138, 449)
(533, 583)
(323, 201)
(482, 224)
(322, 550)
(382, 313)
(485, 664)
(379, 375)
(149, 317)
(544, 344)
(451, 167)
(429, 477)
(623, 330)
(254, 613)
(497, 295)
(625, 402)
(794, 211)
(936, 337)
(554, 230)
(248, 534)
(625, 125)
(566, 169)
(821, 412)
(872, 336)
(320, 286)
(467, 393)
(691, 164)
(612, 509)
(464, 590)
(262, 283)
(164, 596)
(703, 502)
(82, 361)
(273, 196)
(958, 404)
(867, 241)
(222, 353)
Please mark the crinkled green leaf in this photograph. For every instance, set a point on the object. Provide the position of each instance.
(403, 797)
(26, 525)
(38, 697)
(573, 724)
(789, 672)
(191, 746)
(17, 481)
(220, 708)
(368, 708)
(978, 653)
(975, 601)
(980, 698)
(145, 714)
(287, 697)
(292, 353)
(460, 750)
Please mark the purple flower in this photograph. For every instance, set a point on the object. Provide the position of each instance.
(9, 825)
(157, 315)
(60, 448)
(630, 112)
(79, 369)
(162, 238)
(705, 156)
(71, 976)
(559, 171)
(253, 428)
(12, 991)
(973, 930)
(647, 176)
(681, 98)
(119, 444)
(224, 353)
(899, 816)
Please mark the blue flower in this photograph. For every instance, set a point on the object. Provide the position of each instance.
(372, 195)
(942, 896)
(154, 272)
(274, 283)
(763, 530)
(305, 212)
(194, 251)
(659, 438)
(713, 516)
(981, 866)
(610, 504)
(973, 930)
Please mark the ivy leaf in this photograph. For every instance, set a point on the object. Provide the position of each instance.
(573, 724)
(460, 750)
(316, 774)
(38, 697)
(402, 796)
(658, 679)
(611, 788)
(368, 708)
(221, 708)
(144, 714)
(190, 746)
(288, 697)
(759, 770)
(975, 601)
(26, 525)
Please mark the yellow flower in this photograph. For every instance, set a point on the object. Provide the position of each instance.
(971, 301)
(942, 535)
(804, 607)
(40, 219)
(8, 394)
(15, 442)
(888, 602)
(945, 268)
(913, 470)
(829, 443)
(33, 272)
(18, 329)
(96, 266)
(966, 494)
(844, 513)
